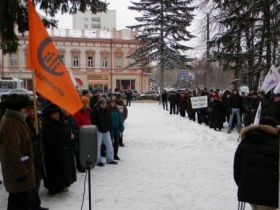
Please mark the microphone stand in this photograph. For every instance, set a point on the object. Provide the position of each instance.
(89, 167)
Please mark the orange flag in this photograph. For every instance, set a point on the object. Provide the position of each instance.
(51, 76)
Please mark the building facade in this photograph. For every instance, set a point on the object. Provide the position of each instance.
(97, 59)
(88, 21)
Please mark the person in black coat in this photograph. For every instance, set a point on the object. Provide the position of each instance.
(217, 113)
(177, 98)
(172, 102)
(265, 104)
(94, 98)
(256, 165)
(164, 99)
(226, 101)
(275, 108)
(128, 95)
(183, 104)
(190, 110)
(235, 110)
(59, 152)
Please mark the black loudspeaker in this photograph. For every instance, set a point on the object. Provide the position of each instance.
(88, 146)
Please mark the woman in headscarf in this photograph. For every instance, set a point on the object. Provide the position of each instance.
(58, 151)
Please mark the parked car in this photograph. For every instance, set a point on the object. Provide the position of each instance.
(18, 91)
(135, 94)
(150, 95)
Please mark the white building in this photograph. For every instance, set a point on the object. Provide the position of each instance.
(88, 21)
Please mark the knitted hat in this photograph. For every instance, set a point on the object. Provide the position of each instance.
(85, 100)
(17, 102)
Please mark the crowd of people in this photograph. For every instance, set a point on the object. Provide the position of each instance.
(238, 110)
(256, 168)
(52, 154)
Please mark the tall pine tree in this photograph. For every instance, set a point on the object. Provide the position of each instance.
(249, 37)
(163, 32)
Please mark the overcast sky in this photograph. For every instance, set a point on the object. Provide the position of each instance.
(126, 17)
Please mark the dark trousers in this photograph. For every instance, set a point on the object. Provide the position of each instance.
(172, 109)
(192, 115)
(36, 201)
(121, 139)
(128, 102)
(115, 136)
(182, 112)
(78, 162)
(20, 201)
(165, 105)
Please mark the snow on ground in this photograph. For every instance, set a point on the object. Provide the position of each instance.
(169, 163)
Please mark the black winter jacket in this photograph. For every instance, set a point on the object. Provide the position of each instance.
(101, 118)
(256, 166)
(236, 101)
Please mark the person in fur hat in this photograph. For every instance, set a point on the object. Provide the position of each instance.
(256, 165)
(58, 151)
(17, 153)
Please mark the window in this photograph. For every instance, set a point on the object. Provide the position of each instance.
(105, 62)
(132, 61)
(86, 19)
(90, 62)
(76, 61)
(95, 19)
(85, 26)
(98, 26)
(13, 59)
(118, 62)
(62, 59)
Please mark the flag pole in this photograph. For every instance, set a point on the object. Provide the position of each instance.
(35, 103)
(279, 168)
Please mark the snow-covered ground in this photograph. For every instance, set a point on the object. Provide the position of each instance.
(169, 163)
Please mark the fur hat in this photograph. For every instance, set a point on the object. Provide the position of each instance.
(51, 108)
(17, 102)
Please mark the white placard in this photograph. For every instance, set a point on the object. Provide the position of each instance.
(199, 102)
